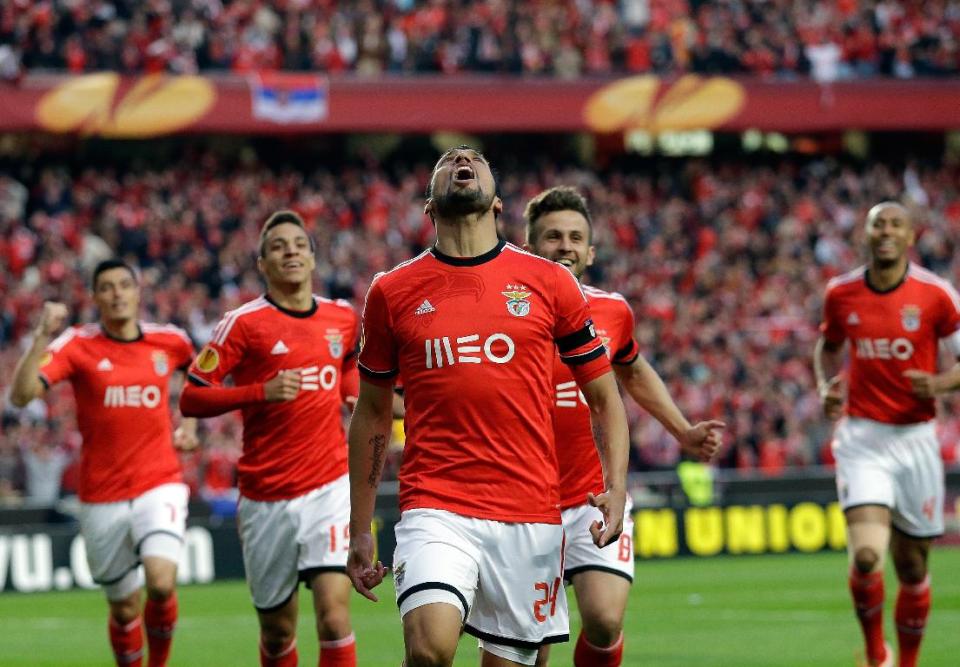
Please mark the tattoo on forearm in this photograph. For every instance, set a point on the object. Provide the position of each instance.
(379, 443)
(598, 438)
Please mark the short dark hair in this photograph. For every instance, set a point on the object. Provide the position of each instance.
(107, 265)
(284, 217)
(559, 198)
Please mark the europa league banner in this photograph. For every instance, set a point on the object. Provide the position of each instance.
(110, 105)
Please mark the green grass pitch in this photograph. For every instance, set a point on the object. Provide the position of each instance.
(747, 611)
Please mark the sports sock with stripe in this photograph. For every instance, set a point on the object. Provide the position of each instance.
(913, 607)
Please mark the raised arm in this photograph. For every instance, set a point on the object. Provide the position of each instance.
(644, 385)
(26, 384)
(368, 438)
(613, 445)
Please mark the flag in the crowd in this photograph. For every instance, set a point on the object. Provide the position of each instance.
(289, 98)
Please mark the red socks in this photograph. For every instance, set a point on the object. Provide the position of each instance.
(160, 618)
(588, 655)
(913, 606)
(127, 642)
(339, 652)
(867, 592)
(287, 657)
(335, 653)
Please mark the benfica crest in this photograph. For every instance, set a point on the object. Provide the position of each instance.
(518, 304)
(161, 365)
(910, 318)
(335, 343)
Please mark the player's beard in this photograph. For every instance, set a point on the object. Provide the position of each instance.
(457, 203)
(883, 264)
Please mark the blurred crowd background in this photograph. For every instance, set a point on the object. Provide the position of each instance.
(826, 39)
(724, 262)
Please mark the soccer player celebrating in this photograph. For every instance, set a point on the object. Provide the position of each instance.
(889, 471)
(471, 327)
(133, 500)
(559, 229)
(292, 359)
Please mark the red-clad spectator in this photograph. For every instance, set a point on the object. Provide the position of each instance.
(865, 39)
(74, 55)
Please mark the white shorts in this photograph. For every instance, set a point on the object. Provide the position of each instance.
(895, 466)
(582, 554)
(288, 541)
(117, 535)
(505, 578)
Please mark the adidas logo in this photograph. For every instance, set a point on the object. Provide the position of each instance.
(279, 348)
(853, 319)
(424, 308)
(104, 365)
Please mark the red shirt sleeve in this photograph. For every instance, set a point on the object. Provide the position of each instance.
(574, 332)
(832, 326)
(350, 377)
(350, 386)
(184, 353)
(208, 398)
(378, 351)
(212, 401)
(950, 321)
(220, 355)
(626, 348)
(57, 363)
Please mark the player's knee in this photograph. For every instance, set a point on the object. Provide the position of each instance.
(276, 638)
(427, 656)
(160, 579)
(912, 576)
(125, 610)
(333, 623)
(161, 589)
(423, 651)
(912, 569)
(866, 560)
(603, 628)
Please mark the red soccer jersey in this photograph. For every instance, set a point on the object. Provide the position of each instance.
(289, 447)
(122, 394)
(891, 332)
(580, 470)
(473, 341)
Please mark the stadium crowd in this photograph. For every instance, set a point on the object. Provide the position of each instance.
(723, 262)
(828, 39)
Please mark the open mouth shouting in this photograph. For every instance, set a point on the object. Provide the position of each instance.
(463, 174)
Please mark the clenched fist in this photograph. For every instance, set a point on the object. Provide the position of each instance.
(51, 318)
(284, 387)
(831, 397)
